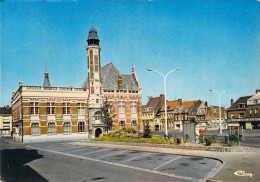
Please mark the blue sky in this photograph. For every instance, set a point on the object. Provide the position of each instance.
(216, 43)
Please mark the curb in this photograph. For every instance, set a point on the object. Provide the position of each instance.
(183, 147)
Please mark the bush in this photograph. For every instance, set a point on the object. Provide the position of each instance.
(178, 141)
(208, 141)
(187, 138)
(201, 139)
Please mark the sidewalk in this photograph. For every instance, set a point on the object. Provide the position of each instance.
(247, 162)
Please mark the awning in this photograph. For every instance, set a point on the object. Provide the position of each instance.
(243, 120)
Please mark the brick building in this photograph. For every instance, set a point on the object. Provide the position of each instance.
(43, 113)
(245, 112)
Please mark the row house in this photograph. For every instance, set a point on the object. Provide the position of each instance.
(151, 110)
(179, 111)
(245, 112)
(5, 120)
(43, 113)
(213, 119)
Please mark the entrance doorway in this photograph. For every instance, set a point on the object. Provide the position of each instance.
(98, 132)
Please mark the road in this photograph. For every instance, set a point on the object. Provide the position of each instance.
(69, 161)
(251, 137)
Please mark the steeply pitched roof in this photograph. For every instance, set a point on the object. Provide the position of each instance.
(241, 100)
(109, 79)
(46, 82)
(153, 102)
(171, 105)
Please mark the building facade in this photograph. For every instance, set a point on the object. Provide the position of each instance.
(212, 118)
(43, 113)
(151, 110)
(5, 121)
(245, 112)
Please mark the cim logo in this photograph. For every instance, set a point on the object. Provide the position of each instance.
(243, 173)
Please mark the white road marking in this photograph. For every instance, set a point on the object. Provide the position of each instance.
(70, 148)
(118, 164)
(112, 154)
(96, 151)
(137, 157)
(77, 150)
(167, 162)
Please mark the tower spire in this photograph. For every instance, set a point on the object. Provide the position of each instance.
(46, 82)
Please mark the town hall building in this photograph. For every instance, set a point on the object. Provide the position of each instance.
(46, 113)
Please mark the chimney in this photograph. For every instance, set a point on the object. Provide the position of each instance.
(120, 82)
(162, 97)
(20, 84)
(206, 103)
(180, 101)
(7, 107)
(232, 102)
(257, 91)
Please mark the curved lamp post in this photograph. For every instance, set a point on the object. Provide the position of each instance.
(165, 105)
(220, 127)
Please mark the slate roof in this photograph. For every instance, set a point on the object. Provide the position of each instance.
(5, 110)
(195, 107)
(241, 100)
(153, 102)
(109, 79)
(93, 34)
(46, 82)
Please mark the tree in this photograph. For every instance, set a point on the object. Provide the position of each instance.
(147, 130)
(107, 115)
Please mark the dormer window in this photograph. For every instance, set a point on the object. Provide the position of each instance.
(242, 105)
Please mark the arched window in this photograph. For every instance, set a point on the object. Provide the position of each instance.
(66, 127)
(35, 129)
(51, 128)
(97, 115)
(81, 126)
(122, 124)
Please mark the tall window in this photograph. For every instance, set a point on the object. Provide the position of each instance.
(81, 126)
(97, 115)
(34, 107)
(121, 107)
(134, 124)
(122, 124)
(251, 111)
(81, 108)
(66, 128)
(50, 108)
(133, 107)
(241, 115)
(51, 128)
(35, 129)
(66, 108)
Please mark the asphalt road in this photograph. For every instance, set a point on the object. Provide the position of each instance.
(68, 161)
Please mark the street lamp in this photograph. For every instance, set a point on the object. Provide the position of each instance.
(165, 105)
(220, 127)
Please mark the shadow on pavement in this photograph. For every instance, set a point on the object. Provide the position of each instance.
(13, 165)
